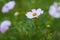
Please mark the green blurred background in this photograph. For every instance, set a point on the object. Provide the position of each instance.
(44, 27)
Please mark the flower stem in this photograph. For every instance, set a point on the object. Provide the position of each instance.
(37, 30)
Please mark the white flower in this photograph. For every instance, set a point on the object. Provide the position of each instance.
(5, 26)
(35, 13)
(55, 10)
(8, 6)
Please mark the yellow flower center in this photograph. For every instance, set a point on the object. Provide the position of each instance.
(34, 14)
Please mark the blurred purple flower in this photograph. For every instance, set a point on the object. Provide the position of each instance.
(8, 6)
(5, 26)
(54, 10)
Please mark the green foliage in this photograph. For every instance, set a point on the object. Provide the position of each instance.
(44, 27)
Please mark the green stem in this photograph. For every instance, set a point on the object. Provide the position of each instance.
(36, 20)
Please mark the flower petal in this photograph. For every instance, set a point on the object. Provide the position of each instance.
(8, 6)
(5, 9)
(56, 15)
(4, 28)
(39, 11)
(33, 10)
(29, 15)
(52, 10)
(4, 25)
(11, 4)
